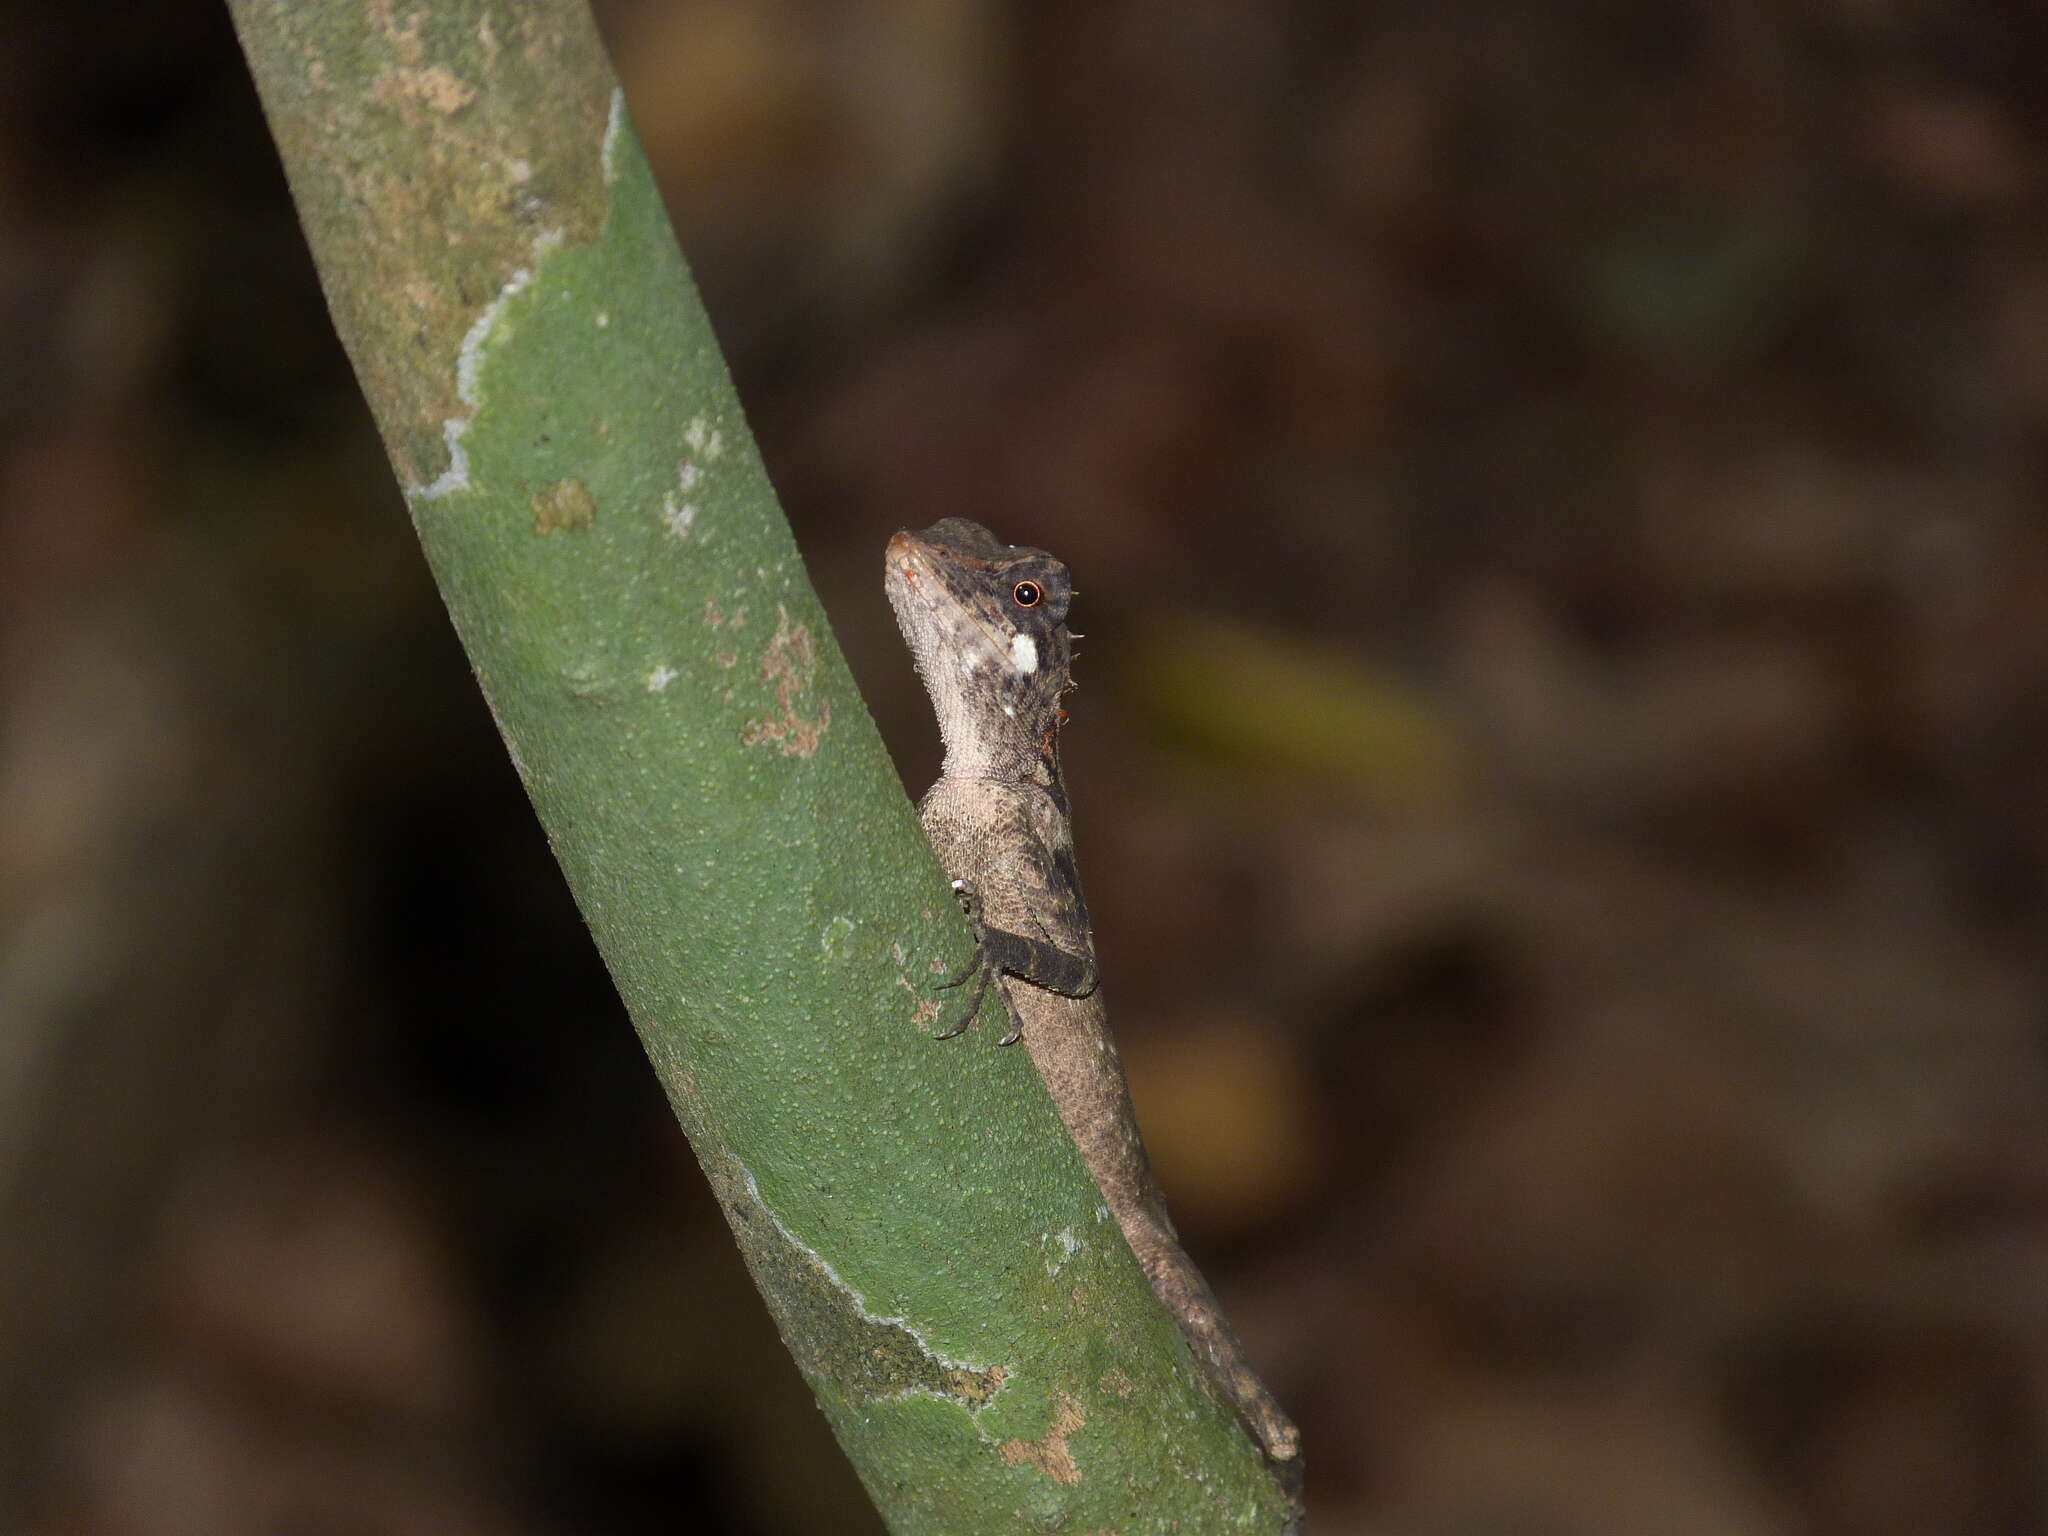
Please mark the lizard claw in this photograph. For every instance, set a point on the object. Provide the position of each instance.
(986, 971)
(973, 1003)
(1016, 1024)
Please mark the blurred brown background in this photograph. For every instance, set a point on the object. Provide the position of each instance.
(1557, 498)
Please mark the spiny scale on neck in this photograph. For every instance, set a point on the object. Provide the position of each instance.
(985, 622)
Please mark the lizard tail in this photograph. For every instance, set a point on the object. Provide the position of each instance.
(1187, 1296)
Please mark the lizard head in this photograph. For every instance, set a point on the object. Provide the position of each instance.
(986, 623)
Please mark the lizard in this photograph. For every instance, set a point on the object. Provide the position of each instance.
(986, 626)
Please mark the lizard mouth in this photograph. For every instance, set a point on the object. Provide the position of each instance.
(907, 554)
(913, 579)
(907, 564)
(912, 566)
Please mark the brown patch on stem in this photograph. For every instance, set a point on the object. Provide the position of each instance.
(792, 665)
(975, 1388)
(926, 1010)
(1050, 1454)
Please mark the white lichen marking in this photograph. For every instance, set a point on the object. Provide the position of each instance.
(1068, 1245)
(614, 124)
(604, 319)
(469, 362)
(659, 679)
(1024, 653)
(676, 510)
(705, 440)
(832, 1276)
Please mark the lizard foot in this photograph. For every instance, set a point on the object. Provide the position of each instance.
(973, 1002)
(991, 976)
(986, 970)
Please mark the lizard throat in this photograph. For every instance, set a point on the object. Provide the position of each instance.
(990, 732)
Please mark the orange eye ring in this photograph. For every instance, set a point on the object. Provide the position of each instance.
(1027, 594)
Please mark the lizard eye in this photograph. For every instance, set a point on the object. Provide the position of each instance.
(1027, 594)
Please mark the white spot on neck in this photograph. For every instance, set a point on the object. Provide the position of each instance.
(1024, 652)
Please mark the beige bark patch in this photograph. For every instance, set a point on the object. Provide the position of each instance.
(1050, 1454)
(429, 159)
(562, 506)
(436, 89)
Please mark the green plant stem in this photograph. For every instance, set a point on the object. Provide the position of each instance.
(496, 260)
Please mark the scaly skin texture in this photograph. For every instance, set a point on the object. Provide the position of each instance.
(985, 622)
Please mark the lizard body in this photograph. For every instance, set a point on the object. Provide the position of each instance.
(985, 623)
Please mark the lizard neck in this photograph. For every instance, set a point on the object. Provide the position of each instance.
(987, 738)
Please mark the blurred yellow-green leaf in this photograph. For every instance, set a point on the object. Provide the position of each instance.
(1246, 699)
